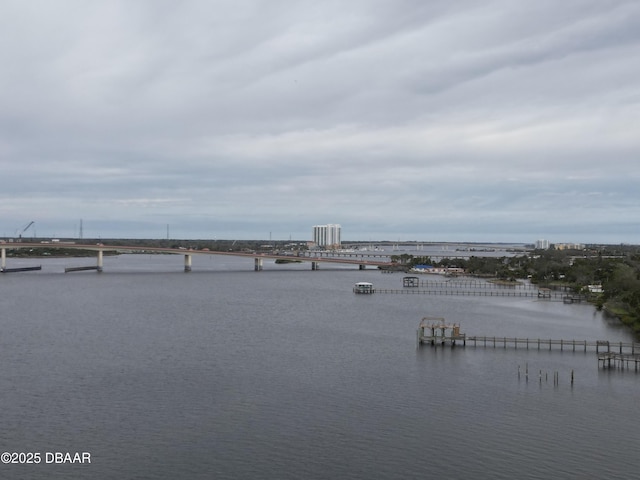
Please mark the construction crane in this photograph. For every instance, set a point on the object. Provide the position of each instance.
(25, 228)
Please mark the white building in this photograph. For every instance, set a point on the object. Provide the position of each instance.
(569, 246)
(327, 235)
(542, 244)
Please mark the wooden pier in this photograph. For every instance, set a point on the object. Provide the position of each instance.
(435, 331)
(455, 337)
(597, 346)
(416, 281)
(480, 288)
(467, 283)
(550, 295)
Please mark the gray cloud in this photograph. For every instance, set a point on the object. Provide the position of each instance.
(491, 121)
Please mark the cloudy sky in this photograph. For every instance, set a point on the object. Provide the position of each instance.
(503, 120)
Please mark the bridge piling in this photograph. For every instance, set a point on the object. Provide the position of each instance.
(257, 264)
(3, 263)
(187, 262)
(99, 266)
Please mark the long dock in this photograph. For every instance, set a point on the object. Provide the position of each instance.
(549, 343)
(560, 296)
(597, 346)
(467, 283)
(434, 331)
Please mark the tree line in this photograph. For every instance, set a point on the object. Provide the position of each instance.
(615, 268)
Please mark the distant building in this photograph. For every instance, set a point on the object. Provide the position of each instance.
(568, 246)
(542, 244)
(438, 270)
(595, 288)
(327, 235)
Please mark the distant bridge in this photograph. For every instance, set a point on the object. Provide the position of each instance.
(187, 253)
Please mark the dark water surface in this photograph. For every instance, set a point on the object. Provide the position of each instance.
(286, 374)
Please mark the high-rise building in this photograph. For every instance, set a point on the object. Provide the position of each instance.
(542, 244)
(327, 235)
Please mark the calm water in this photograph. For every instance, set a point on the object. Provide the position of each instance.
(286, 374)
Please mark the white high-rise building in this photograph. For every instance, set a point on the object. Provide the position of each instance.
(327, 235)
(542, 244)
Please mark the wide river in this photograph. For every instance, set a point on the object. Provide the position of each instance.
(227, 373)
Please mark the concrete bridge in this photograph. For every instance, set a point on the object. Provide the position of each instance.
(188, 255)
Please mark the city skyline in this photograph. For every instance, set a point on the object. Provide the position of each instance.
(430, 121)
(321, 235)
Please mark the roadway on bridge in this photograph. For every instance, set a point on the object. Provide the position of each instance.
(181, 251)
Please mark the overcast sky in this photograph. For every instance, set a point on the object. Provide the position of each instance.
(502, 121)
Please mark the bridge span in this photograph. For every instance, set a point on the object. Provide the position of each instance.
(188, 255)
